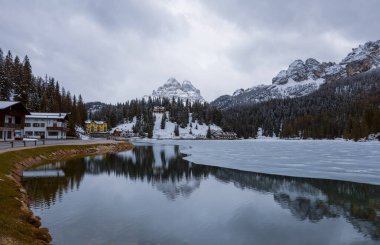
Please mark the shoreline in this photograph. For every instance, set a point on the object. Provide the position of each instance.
(19, 225)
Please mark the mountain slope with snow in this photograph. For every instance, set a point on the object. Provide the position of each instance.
(173, 89)
(302, 78)
(197, 130)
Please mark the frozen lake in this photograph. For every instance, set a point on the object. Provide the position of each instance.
(151, 195)
(324, 159)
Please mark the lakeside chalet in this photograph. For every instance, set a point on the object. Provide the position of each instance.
(12, 119)
(220, 135)
(46, 125)
(159, 109)
(95, 126)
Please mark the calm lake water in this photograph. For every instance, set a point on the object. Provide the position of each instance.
(150, 195)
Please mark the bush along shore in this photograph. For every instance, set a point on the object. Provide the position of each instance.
(18, 225)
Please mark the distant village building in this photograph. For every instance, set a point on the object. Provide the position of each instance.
(124, 133)
(220, 135)
(46, 125)
(159, 109)
(117, 132)
(12, 119)
(95, 126)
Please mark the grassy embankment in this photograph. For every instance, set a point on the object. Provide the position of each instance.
(17, 223)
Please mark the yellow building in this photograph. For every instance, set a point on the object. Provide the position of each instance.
(96, 126)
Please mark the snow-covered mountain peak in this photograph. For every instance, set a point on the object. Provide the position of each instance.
(172, 82)
(300, 71)
(366, 51)
(237, 92)
(302, 78)
(362, 58)
(172, 88)
(187, 86)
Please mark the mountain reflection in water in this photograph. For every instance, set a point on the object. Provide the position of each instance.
(163, 167)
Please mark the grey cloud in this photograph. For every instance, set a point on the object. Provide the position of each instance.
(118, 50)
(295, 29)
(355, 19)
(148, 18)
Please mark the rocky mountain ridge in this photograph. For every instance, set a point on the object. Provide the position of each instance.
(302, 78)
(173, 89)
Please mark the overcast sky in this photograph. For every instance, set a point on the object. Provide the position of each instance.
(113, 51)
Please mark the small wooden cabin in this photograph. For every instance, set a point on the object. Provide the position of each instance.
(159, 109)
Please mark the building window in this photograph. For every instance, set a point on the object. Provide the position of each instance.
(29, 133)
(53, 133)
(1, 134)
(9, 134)
(39, 133)
(36, 125)
(42, 125)
(9, 120)
(27, 125)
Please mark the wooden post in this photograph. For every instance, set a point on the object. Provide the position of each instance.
(43, 141)
(12, 144)
(35, 143)
(24, 143)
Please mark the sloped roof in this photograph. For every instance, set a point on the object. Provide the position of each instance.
(96, 122)
(47, 115)
(7, 104)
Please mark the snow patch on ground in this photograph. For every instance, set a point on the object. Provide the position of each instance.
(184, 133)
(125, 126)
(198, 131)
(300, 88)
(81, 133)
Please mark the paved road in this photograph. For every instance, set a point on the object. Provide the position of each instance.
(6, 146)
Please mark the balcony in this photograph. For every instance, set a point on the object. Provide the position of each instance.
(56, 128)
(12, 125)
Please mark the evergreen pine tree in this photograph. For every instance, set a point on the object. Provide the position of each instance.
(3, 80)
(82, 110)
(17, 84)
(22, 80)
(208, 133)
(6, 83)
(176, 130)
(27, 80)
(163, 121)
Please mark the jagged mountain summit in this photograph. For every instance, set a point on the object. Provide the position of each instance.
(172, 88)
(302, 78)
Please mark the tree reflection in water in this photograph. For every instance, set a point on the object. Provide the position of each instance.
(166, 170)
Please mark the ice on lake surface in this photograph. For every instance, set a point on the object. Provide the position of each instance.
(325, 159)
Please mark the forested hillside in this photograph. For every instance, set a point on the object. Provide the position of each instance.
(348, 108)
(38, 94)
(142, 110)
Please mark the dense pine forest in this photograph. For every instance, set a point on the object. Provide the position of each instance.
(38, 94)
(348, 108)
(142, 110)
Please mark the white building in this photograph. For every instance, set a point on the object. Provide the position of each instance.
(46, 125)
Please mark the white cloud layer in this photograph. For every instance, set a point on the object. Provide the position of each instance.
(113, 51)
